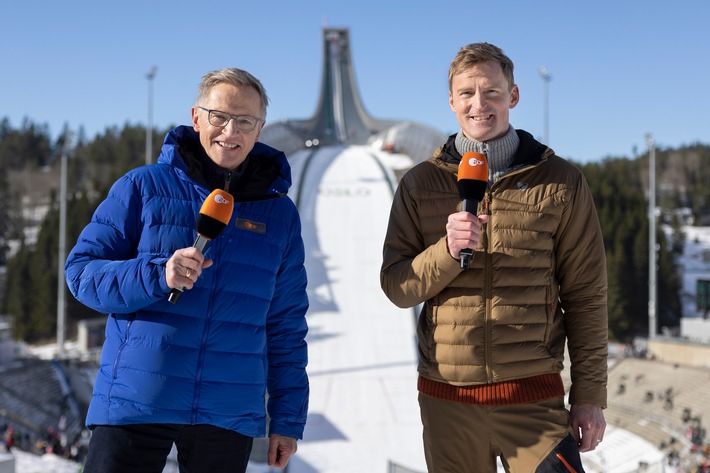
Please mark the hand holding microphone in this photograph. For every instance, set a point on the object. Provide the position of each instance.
(472, 184)
(215, 213)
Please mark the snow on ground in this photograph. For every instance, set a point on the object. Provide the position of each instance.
(26, 462)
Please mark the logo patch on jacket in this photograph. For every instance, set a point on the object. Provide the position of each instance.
(250, 225)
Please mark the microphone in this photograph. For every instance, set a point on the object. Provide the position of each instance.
(472, 183)
(215, 213)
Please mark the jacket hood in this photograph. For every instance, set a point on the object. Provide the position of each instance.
(265, 173)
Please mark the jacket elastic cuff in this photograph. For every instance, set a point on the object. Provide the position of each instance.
(287, 429)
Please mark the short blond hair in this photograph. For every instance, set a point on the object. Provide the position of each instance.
(475, 53)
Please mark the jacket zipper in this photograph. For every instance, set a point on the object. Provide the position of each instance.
(488, 289)
(203, 347)
(205, 332)
(124, 342)
(488, 285)
(228, 182)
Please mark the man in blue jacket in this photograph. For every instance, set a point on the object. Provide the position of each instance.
(197, 372)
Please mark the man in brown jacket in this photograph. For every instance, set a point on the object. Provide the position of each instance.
(492, 337)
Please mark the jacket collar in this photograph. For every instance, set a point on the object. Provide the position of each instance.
(529, 152)
(265, 173)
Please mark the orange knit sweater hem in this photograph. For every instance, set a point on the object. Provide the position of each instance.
(517, 391)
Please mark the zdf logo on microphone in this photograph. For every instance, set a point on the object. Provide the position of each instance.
(473, 162)
(220, 199)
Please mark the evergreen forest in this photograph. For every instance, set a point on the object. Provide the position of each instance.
(30, 162)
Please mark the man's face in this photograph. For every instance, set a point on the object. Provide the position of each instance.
(226, 145)
(481, 99)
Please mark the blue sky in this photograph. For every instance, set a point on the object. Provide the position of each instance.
(619, 69)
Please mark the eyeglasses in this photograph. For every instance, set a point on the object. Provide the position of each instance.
(245, 123)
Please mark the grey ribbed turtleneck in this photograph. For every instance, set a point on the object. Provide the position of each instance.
(499, 152)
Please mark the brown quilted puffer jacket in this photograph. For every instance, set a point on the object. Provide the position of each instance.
(537, 278)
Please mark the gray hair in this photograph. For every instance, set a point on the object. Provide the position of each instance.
(236, 77)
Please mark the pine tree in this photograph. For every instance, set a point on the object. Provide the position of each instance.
(5, 221)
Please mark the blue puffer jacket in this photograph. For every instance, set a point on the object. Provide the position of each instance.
(240, 331)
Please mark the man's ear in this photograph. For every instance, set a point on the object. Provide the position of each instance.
(514, 97)
(258, 133)
(195, 120)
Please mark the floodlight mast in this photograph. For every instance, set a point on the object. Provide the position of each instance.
(149, 129)
(61, 284)
(652, 246)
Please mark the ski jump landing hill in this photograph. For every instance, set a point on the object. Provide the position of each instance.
(363, 413)
(362, 357)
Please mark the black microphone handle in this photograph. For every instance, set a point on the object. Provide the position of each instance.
(470, 205)
(200, 244)
(466, 255)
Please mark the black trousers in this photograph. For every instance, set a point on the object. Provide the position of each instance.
(144, 448)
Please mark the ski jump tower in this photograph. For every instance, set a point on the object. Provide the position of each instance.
(340, 117)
